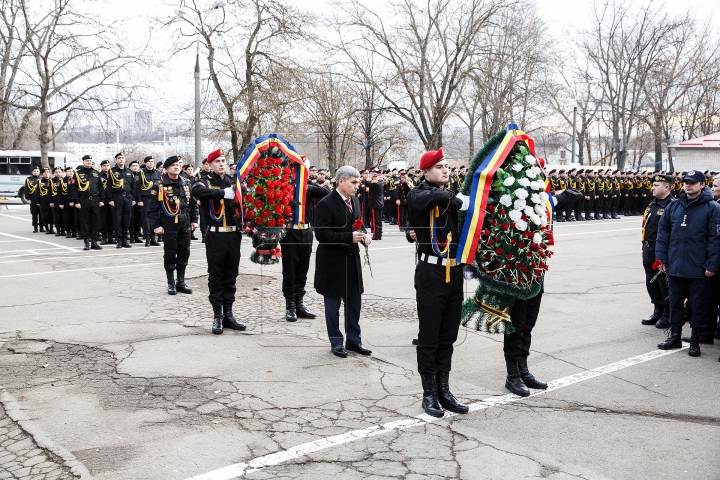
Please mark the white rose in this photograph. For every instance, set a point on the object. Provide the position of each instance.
(532, 172)
(519, 203)
(524, 182)
(534, 218)
(530, 159)
(517, 167)
(509, 181)
(540, 209)
(543, 221)
(535, 198)
(543, 196)
(506, 200)
(521, 225)
(537, 185)
(537, 238)
(515, 215)
(520, 193)
(528, 210)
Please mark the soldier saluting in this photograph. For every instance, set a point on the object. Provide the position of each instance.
(87, 196)
(172, 215)
(222, 240)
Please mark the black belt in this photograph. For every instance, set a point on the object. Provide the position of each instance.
(434, 260)
(120, 193)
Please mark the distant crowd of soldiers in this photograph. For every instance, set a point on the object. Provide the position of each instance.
(609, 193)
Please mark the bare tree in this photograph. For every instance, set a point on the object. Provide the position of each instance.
(426, 51)
(13, 49)
(247, 46)
(623, 45)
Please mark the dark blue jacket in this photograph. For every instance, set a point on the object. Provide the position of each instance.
(688, 239)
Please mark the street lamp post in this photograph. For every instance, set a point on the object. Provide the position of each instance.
(198, 138)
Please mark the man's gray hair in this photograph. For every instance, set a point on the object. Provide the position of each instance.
(345, 172)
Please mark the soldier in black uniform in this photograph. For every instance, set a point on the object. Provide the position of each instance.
(87, 194)
(45, 188)
(296, 252)
(136, 216)
(376, 188)
(402, 190)
(222, 241)
(439, 302)
(658, 289)
(57, 201)
(589, 201)
(148, 177)
(32, 195)
(172, 215)
(107, 219)
(68, 205)
(570, 182)
(122, 194)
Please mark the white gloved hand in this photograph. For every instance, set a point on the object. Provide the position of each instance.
(468, 273)
(229, 193)
(465, 199)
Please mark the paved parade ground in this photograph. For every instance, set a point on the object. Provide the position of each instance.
(103, 375)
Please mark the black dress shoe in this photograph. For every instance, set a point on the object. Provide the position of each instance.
(414, 341)
(358, 348)
(119, 245)
(339, 351)
(125, 244)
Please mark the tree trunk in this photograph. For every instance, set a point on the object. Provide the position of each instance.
(471, 142)
(657, 133)
(21, 131)
(44, 136)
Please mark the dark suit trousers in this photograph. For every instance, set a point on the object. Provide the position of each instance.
(353, 302)
(296, 250)
(524, 314)
(222, 250)
(695, 291)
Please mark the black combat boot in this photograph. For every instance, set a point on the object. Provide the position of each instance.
(290, 314)
(300, 309)
(60, 233)
(229, 320)
(180, 284)
(68, 234)
(447, 399)
(35, 229)
(153, 241)
(513, 381)
(171, 284)
(528, 379)
(125, 244)
(674, 339)
(147, 240)
(137, 238)
(217, 327)
(656, 315)
(87, 244)
(50, 230)
(694, 350)
(430, 401)
(94, 245)
(77, 236)
(119, 244)
(664, 321)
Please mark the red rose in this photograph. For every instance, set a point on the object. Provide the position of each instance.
(258, 204)
(249, 214)
(494, 223)
(512, 224)
(529, 254)
(513, 241)
(534, 247)
(288, 210)
(271, 223)
(266, 173)
(259, 220)
(491, 208)
(492, 274)
(270, 195)
(509, 280)
(509, 256)
(261, 163)
(281, 221)
(487, 232)
(522, 245)
(498, 251)
(248, 198)
(286, 171)
(276, 171)
(250, 182)
(265, 213)
(488, 255)
(358, 224)
(278, 209)
(656, 264)
(524, 217)
(259, 190)
(255, 172)
(505, 227)
(502, 211)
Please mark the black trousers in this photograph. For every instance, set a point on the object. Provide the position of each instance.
(403, 221)
(588, 205)
(296, 251)
(89, 217)
(578, 207)
(46, 213)
(713, 305)
(122, 212)
(176, 246)
(35, 213)
(439, 305)
(143, 216)
(695, 291)
(136, 220)
(69, 217)
(375, 223)
(106, 221)
(222, 251)
(658, 290)
(58, 219)
(524, 314)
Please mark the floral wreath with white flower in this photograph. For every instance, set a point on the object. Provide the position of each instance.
(512, 252)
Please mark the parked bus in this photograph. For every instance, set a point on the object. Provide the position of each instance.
(17, 165)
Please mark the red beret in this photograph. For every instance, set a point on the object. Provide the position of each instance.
(215, 154)
(431, 158)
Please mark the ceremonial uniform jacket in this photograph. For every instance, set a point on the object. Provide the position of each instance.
(145, 182)
(375, 195)
(122, 181)
(651, 220)
(209, 190)
(176, 196)
(401, 192)
(600, 185)
(31, 188)
(46, 187)
(87, 184)
(58, 188)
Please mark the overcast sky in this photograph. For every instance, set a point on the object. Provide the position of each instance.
(177, 84)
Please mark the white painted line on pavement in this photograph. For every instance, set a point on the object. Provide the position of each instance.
(597, 231)
(16, 217)
(39, 241)
(273, 459)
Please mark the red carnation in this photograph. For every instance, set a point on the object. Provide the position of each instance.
(286, 171)
(358, 224)
(656, 264)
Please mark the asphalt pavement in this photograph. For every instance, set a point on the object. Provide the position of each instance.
(103, 375)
